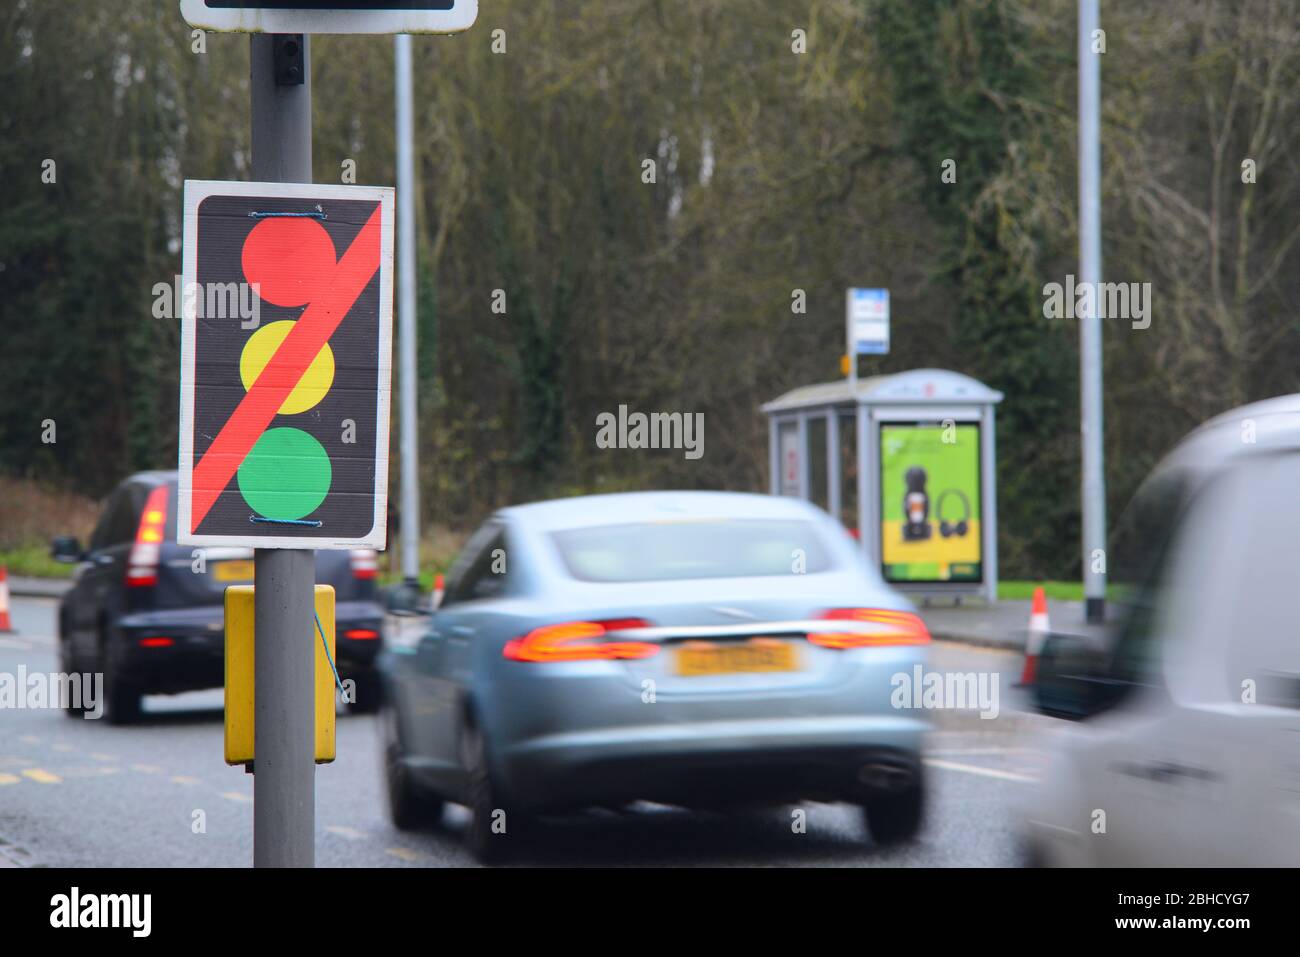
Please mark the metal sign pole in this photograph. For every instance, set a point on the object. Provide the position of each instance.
(406, 317)
(1090, 348)
(284, 783)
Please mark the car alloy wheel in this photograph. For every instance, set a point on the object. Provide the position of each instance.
(121, 699)
(493, 831)
(408, 805)
(68, 666)
(896, 817)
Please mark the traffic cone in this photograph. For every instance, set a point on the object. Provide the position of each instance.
(1038, 630)
(437, 590)
(6, 626)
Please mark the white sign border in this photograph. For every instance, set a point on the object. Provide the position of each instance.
(196, 191)
(461, 17)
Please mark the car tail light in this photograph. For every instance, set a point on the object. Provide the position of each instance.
(893, 628)
(365, 563)
(361, 634)
(142, 563)
(157, 642)
(580, 641)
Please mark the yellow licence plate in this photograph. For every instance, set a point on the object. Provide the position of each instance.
(233, 571)
(702, 658)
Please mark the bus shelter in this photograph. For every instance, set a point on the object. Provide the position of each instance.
(906, 462)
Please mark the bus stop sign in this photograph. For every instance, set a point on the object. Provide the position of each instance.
(331, 16)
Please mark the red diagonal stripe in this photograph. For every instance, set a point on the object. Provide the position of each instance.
(285, 370)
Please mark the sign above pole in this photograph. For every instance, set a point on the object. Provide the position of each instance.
(284, 407)
(331, 16)
(867, 314)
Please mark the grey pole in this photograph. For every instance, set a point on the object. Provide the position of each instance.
(1090, 353)
(866, 481)
(284, 780)
(406, 309)
(834, 467)
(774, 454)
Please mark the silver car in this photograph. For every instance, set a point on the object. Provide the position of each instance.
(700, 649)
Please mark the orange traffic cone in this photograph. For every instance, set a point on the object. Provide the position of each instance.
(1038, 630)
(5, 624)
(437, 590)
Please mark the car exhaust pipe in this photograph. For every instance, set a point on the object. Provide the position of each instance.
(885, 776)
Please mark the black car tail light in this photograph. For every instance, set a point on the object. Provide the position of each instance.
(142, 563)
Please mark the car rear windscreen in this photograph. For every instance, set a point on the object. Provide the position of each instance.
(667, 551)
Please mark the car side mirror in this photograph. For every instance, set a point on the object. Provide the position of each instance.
(404, 600)
(66, 549)
(1071, 681)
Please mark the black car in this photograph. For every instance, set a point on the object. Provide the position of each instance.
(148, 613)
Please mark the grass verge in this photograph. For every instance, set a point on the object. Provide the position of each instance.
(34, 561)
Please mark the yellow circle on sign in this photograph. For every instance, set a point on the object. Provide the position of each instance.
(311, 388)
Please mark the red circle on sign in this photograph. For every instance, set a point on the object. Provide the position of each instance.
(291, 259)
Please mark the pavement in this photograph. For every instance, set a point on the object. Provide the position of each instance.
(1003, 624)
(81, 793)
(38, 587)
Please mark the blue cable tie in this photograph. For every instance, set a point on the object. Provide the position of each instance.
(316, 215)
(328, 656)
(302, 522)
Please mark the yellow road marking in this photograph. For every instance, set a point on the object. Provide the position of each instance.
(9, 779)
(64, 747)
(237, 796)
(41, 776)
(146, 768)
(403, 854)
(90, 771)
(352, 834)
(99, 756)
(185, 779)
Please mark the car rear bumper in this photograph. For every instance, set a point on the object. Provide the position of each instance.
(195, 658)
(716, 762)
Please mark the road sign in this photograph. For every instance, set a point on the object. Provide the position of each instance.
(868, 321)
(331, 16)
(284, 407)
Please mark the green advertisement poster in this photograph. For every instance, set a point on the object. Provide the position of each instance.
(930, 502)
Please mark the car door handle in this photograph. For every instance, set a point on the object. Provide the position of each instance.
(429, 650)
(1165, 772)
(461, 631)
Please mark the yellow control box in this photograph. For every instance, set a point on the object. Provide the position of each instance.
(240, 671)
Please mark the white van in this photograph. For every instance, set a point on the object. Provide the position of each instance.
(1186, 746)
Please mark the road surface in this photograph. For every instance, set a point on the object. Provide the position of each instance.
(81, 793)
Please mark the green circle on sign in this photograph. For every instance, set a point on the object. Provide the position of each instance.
(286, 475)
